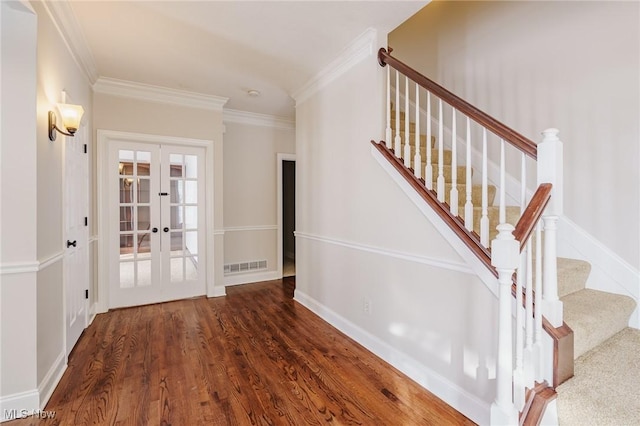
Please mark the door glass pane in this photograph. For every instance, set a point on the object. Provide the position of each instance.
(143, 190)
(126, 218)
(176, 243)
(191, 268)
(191, 242)
(191, 166)
(143, 159)
(191, 192)
(144, 218)
(191, 217)
(144, 273)
(126, 275)
(176, 217)
(125, 166)
(144, 242)
(175, 165)
(177, 269)
(126, 244)
(126, 190)
(176, 192)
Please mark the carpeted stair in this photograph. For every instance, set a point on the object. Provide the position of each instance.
(598, 320)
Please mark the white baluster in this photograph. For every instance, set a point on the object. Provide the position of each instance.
(529, 368)
(428, 168)
(440, 180)
(504, 257)
(484, 219)
(537, 346)
(407, 138)
(453, 195)
(417, 161)
(550, 171)
(388, 133)
(518, 372)
(397, 147)
(468, 206)
(503, 172)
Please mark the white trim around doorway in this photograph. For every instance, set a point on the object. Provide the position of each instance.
(104, 138)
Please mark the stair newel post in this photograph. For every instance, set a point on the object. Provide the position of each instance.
(468, 207)
(550, 171)
(505, 254)
(428, 168)
(453, 194)
(484, 219)
(417, 161)
(440, 180)
(537, 346)
(397, 147)
(407, 119)
(388, 133)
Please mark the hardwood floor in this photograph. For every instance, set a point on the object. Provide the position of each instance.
(255, 357)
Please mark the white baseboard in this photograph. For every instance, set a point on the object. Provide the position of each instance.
(472, 407)
(93, 311)
(609, 272)
(21, 402)
(52, 378)
(253, 277)
(217, 292)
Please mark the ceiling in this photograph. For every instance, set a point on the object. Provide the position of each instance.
(225, 48)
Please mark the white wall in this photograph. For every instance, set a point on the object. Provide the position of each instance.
(534, 65)
(250, 195)
(36, 67)
(360, 239)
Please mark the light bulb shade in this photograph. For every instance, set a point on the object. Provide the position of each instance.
(70, 116)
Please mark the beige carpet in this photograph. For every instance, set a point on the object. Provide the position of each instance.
(606, 386)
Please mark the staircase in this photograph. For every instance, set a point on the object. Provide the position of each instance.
(594, 316)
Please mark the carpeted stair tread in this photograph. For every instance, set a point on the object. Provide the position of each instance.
(604, 390)
(572, 275)
(476, 194)
(594, 316)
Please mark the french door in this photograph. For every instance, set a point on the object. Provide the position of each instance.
(157, 223)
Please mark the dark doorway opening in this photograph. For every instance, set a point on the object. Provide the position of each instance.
(288, 218)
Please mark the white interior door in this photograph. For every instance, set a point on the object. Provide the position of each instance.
(158, 222)
(76, 254)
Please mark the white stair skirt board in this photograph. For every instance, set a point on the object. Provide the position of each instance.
(477, 410)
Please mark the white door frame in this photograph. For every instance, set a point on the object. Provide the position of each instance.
(105, 137)
(280, 158)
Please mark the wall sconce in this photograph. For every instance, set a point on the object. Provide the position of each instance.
(70, 115)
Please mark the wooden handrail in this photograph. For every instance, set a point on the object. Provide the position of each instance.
(532, 214)
(508, 134)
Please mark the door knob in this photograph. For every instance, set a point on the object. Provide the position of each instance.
(70, 243)
(166, 229)
(154, 230)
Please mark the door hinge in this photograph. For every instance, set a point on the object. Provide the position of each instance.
(85, 148)
(86, 294)
(86, 221)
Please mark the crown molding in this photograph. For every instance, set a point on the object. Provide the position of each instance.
(257, 119)
(69, 28)
(360, 48)
(158, 94)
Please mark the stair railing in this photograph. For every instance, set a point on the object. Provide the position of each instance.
(514, 248)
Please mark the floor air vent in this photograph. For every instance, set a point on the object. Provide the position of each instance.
(237, 268)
